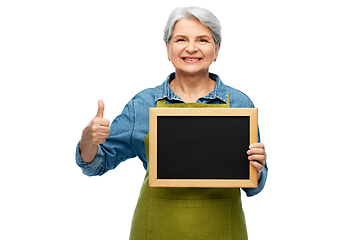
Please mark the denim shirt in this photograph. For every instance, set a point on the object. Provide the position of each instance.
(128, 130)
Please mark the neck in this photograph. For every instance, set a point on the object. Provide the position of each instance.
(191, 87)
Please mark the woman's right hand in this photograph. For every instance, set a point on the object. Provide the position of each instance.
(98, 129)
(95, 133)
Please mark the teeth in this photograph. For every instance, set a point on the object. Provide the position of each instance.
(191, 59)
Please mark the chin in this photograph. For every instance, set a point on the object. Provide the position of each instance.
(193, 72)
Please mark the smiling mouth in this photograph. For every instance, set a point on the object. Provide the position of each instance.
(191, 59)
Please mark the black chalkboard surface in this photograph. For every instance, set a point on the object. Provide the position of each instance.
(197, 149)
(201, 147)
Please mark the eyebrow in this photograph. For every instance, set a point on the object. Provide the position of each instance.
(200, 36)
(204, 35)
(179, 35)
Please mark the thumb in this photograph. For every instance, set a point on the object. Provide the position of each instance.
(101, 107)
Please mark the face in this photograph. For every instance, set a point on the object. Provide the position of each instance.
(192, 47)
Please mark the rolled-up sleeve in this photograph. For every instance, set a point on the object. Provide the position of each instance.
(92, 168)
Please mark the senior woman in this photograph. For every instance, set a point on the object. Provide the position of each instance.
(192, 37)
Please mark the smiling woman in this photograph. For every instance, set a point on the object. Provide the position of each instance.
(192, 49)
(192, 37)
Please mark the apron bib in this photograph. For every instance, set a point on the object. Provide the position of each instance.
(188, 213)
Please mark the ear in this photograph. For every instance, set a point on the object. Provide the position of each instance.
(168, 50)
(217, 49)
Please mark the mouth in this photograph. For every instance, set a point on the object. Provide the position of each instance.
(191, 59)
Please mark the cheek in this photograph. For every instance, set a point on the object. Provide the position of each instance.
(175, 50)
(210, 53)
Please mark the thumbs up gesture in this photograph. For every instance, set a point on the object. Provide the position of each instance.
(98, 129)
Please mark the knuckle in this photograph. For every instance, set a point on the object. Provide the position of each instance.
(95, 120)
(94, 128)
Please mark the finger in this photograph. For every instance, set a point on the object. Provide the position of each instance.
(100, 130)
(259, 151)
(257, 166)
(258, 157)
(104, 122)
(99, 138)
(99, 141)
(103, 135)
(96, 129)
(257, 145)
(104, 129)
(101, 107)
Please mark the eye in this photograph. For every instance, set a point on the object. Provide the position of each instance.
(203, 40)
(180, 40)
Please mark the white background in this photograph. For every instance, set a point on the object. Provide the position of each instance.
(299, 61)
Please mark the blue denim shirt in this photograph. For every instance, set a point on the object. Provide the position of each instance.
(128, 130)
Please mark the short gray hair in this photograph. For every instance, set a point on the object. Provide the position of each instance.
(206, 17)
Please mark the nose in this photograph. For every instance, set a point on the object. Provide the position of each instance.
(191, 47)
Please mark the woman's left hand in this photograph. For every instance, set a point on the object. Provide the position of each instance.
(257, 157)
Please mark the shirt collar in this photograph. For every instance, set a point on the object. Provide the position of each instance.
(220, 92)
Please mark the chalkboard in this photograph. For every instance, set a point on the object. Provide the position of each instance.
(201, 147)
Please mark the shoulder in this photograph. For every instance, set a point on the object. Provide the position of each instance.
(139, 104)
(151, 95)
(146, 94)
(143, 99)
(238, 98)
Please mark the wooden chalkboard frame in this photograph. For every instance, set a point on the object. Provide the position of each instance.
(154, 113)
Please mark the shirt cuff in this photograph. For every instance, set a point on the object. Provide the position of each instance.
(95, 164)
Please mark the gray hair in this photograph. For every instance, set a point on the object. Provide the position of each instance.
(206, 17)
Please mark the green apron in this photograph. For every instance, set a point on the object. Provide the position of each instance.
(188, 213)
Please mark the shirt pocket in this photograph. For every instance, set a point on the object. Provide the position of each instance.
(171, 219)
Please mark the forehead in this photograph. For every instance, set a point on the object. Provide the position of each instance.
(191, 27)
